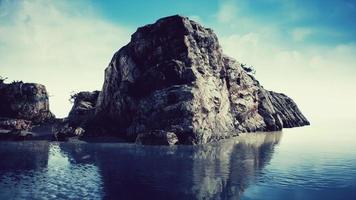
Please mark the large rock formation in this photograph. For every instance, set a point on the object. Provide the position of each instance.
(27, 101)
(173, 78)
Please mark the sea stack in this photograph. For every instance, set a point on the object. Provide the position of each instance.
(172, 84)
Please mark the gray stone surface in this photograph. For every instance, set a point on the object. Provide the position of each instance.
(27, 101)
(173, 77)
(83, 109)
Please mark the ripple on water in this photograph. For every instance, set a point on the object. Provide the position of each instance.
(309, 171)
(58, 180)
(252, 166)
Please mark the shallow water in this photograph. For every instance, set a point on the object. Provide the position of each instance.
(315, 162)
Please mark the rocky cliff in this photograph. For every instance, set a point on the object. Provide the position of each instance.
(26, 101)
(172, 78)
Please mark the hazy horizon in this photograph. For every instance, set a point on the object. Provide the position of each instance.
(303, 49)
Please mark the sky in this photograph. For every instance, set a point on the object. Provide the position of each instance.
(305, 49)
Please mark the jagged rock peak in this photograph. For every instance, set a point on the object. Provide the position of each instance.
(175, 25)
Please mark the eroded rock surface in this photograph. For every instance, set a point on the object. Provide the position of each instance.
(173, 77)
(26, 101)
(15, 124)
(63, 132)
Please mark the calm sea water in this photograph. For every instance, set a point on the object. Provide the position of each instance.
(316, 162)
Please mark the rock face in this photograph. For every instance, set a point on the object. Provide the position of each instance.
(14, 124)
(83, 109)
(173, 78)
(157, 138)
(27, 101)
(63, 132)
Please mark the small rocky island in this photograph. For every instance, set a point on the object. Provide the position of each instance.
(171, 84)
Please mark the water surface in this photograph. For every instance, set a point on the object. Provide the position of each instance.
(316, 162)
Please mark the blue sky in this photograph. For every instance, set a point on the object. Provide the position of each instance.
(303, 48)
(329, 21)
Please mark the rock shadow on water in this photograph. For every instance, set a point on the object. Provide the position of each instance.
(19, 156)
(19, 167)
(221, 170)
(39, 170)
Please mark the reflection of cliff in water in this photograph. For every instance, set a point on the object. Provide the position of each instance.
(38, 170)
(18, 166)
(23, 155)
(225, 171)
(215, 171)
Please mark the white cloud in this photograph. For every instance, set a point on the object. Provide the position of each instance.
(196, 18)
(299, 34)
(57, 44)
(227, 11)
(320, 79)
